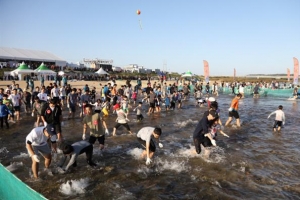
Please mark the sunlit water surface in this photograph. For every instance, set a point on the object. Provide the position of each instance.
(254, 163)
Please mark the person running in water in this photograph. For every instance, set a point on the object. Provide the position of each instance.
(279, 118)
(233, 111)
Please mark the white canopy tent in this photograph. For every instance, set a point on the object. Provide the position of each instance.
(21, 71)
(101, 72)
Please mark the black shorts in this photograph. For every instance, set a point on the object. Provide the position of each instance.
(186, 94)
(152, 146)
(100, 139)
(152, 105)
(57, 128)
(125, 125)
(277, 123)
(234, 114)
(17, 108)
(97, 111)
(139, 117)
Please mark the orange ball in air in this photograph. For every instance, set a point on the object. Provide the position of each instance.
(138, 12)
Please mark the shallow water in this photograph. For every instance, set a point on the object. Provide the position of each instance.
(254, 163)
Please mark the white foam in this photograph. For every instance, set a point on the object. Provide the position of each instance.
(136, 153)
(185, 123)
(74, 187)
(14, 165)
(3, 150)
(22, 155)
(173, 165)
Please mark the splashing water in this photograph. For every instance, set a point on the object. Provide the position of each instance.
(136, 153)
(14, 166)
(22, 155)
(185, 123)
(74, 187)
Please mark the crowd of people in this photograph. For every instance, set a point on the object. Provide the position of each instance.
(48, 102)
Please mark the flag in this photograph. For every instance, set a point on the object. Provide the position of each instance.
(288, 74)
(234, 73)
(206, 71)
(296, 71)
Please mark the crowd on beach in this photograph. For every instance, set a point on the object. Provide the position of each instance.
(47, 103)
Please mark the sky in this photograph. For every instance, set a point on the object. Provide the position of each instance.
(254, 36)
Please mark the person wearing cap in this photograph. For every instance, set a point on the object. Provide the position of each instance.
(36, 142)
(121, 120)
(202, 128)
(145, 136)
(233, 111)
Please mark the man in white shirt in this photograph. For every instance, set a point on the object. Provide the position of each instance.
(42, 95)
(36, 142)
(16, 101)
(145, 136)
(55, 93)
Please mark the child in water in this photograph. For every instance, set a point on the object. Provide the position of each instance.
(215, 127)
(279, 118)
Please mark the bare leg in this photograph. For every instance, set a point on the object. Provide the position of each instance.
(35, 168)
(238, 122)
(114, 132)
(228, 121)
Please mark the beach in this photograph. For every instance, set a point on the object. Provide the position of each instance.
(253, 163)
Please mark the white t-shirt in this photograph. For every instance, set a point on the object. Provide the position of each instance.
(55, 92)
(37, 137)
(145, 133)
(62, 92)
(15, 99)
(42, 96)
(121, 117)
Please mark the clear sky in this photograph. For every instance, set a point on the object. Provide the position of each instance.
(253, 36)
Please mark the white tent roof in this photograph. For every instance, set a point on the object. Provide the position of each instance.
(34, 55)
(101, 72)
(47, 71)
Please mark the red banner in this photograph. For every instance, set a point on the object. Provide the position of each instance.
(296, 70)
(206, 71)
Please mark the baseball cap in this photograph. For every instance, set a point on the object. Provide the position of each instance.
(213, 113)
(51, 129)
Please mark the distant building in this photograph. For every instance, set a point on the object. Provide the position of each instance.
(99, 63)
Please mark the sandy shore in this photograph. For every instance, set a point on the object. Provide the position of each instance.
(80, 84)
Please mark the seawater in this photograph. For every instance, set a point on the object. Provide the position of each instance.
(254, 163)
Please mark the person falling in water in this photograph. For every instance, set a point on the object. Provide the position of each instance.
(279, 118)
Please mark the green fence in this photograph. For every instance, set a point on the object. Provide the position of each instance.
(13, 188)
